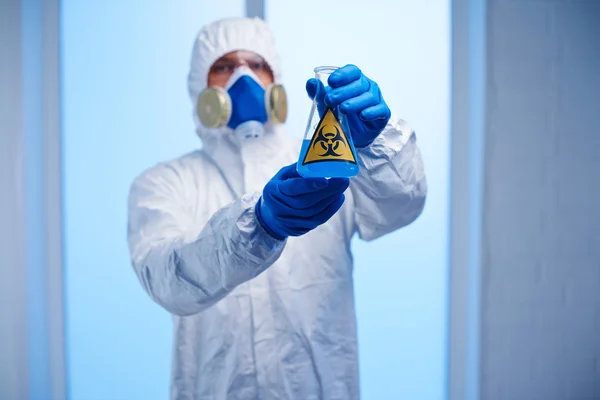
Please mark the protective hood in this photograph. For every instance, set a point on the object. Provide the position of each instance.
(214, 41)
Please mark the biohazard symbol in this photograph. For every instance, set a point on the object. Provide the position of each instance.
(329, 142)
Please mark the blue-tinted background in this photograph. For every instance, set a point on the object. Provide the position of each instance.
(125, 107)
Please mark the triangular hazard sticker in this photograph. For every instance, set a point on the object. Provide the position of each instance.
(329, 142)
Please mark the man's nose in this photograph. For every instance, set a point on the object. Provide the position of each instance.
(241, 63)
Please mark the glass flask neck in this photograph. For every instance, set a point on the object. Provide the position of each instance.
(322, 73)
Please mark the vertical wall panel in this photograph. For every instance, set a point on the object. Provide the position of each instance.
(541, 282)
(125, 107)
(14, 375)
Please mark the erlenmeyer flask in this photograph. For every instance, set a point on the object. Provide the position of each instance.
(327, 149)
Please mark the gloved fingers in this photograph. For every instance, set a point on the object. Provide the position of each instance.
(302, 201)
(303, 188)
(359, 103)
(287, 172)
(302, 204)
(329, 211)
(298, 224)
(296, 208)
(339, 184)
(311, 87)
(316, 90)
(343, 76)
(349, 91)
(298, 186)
(379, 111)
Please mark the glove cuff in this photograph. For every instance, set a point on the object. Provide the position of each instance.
(262, 223)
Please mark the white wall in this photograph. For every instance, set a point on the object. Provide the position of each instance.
(401, 280)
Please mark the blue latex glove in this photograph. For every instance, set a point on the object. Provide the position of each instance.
(292, 206)
(356, 96)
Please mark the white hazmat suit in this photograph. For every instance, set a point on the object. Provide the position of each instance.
(256, 317)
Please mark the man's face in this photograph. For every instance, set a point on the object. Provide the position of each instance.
(222, 69)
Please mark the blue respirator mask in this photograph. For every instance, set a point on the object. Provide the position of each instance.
(243, 105)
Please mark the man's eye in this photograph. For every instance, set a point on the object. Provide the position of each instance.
(223, 68)
(258, 65)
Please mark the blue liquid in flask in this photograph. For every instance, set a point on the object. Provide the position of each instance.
(328, 151)
(325, 169)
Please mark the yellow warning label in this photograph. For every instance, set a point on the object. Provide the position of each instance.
(329, 142)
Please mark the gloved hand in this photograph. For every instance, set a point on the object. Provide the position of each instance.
(292, 206)
(358, 97)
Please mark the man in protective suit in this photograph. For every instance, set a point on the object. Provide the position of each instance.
(254, 261)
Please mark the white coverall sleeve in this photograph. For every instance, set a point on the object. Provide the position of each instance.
(183, 271)
(390, 189)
